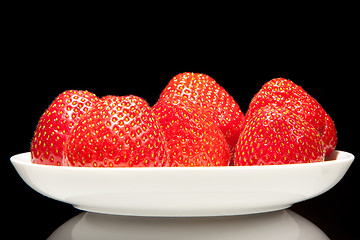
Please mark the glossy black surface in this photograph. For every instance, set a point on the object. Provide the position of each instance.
(39, 72)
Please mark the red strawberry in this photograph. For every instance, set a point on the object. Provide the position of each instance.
(276, 135)
(193, 138)
(285, 93)
(209, 95)
(329, 135)
(117, 132)
(55, 125)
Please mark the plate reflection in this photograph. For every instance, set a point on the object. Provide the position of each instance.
(284, 224)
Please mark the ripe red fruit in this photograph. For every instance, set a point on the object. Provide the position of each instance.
(192, 137)
(209, 95)
(275, 135)
(329, 135)
(55, 124)
(117, 132)
(284, 93)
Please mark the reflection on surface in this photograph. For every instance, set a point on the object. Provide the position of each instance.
(284, 224)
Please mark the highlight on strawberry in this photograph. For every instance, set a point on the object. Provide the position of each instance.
(205, 92)
(55, 124)
(117, 132)
(193, 139)
(284, 93)
(275, 135)
(195, 123)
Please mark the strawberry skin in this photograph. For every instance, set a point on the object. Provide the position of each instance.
(47, 146)
(117, 132)
(329, 135)
(209, 95)
(275, 135)
(283, 92)
(193, 139)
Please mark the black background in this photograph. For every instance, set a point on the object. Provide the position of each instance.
(45, 60)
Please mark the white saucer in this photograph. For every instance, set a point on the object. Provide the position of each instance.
(192, 191)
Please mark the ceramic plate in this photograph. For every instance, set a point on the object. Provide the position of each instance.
(196, 191)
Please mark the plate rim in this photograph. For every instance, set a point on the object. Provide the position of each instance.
(348, 158)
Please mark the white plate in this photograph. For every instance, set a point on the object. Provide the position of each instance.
(196, 191)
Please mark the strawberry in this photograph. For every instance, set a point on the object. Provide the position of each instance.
(275, 135)
(55, 124)
(192, 137)
(209, 95)
(329, 135)
(117, 132)
(285, 93)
